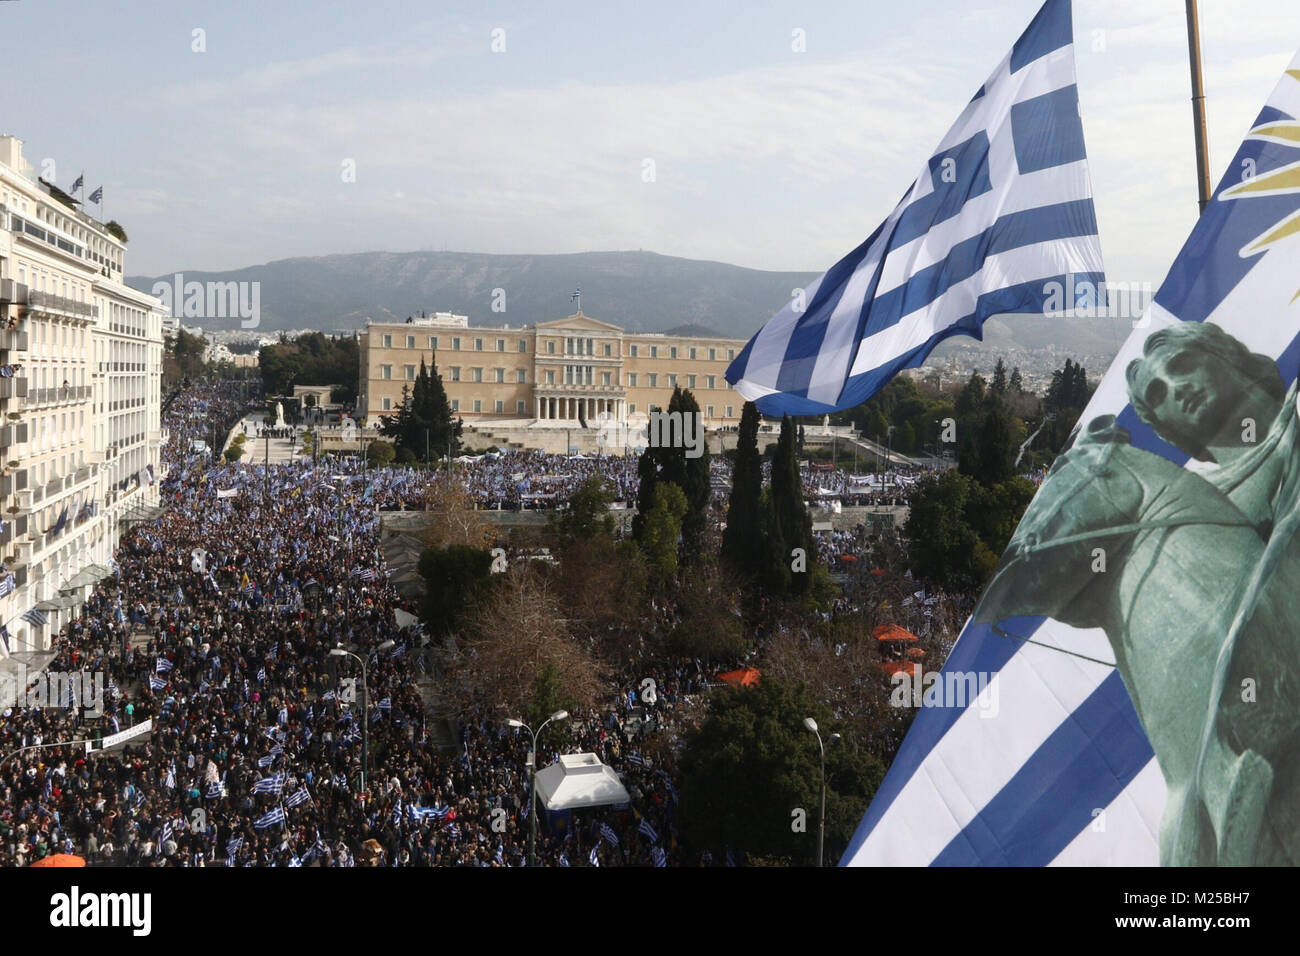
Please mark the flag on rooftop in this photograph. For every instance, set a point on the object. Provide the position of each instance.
(1000, 220)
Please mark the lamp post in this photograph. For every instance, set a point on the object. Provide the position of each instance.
(532, 779)
(821, 818)
(365, 716)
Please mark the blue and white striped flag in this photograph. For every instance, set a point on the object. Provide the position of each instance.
(647, 830)
(270, 819)
(35, 617)
(271, 784)
(1111, 708)
(7, 583)
(170, 781)
(635, 759)
(215, 791)
(594, 857)
(266, 761)
(162, 665)
(1000, 220)
(156, 682)
(608, 833)
(297, 798)
(659, 856)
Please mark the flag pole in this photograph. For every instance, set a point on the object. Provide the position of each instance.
(1198, 105)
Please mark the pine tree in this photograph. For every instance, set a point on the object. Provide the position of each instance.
(742, 538)
(691, 475)
(1017, 383)
(999, 377)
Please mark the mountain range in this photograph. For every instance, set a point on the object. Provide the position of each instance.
(641, 291)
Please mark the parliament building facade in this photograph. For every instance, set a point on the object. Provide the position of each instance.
(564, 371)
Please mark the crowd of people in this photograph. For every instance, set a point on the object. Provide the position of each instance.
(217, 626)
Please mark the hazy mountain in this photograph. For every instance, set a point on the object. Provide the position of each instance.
(641, 291)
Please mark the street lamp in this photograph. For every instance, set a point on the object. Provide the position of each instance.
(532, 779)
(821, 819)
(365, 716)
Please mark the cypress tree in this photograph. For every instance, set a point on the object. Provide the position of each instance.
(741, 540)
(790, 520)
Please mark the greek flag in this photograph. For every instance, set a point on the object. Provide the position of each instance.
(608, 833)
(171, 778)
(635, 759)
(77, 185)
(297, 798)
(1000, 220)
(215, 791)
(271, 784)
(156, 682)
(271, 819)
(426, 813)
(35, 618)
(233, 845)
(594, 858)
(659, 856)
(648, 830)
(266, 761)
(98, 195)
(1111, 710)
(7, 584)
(162, 665)
(386, 704)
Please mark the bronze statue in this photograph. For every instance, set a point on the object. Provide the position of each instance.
(1197, 588)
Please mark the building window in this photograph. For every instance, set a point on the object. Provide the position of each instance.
(731, 354)
(519, 407)
(521, 376)
(501, 375)
(501, 406)
(692, 354)
(550, 348)
(478, 404)
(455, 404)
(708, 411)
(478, 375)
(523, 345)
(410, 341)
(386, 371)
(478, 345)
(604, 378)
(609, 349)
(654, 351)
(690, 381)
(388, 341)
(410, 373)
(631, 408)
(433, 343)
(455, 373)
(501, 345)
(631, 379)
(455, 343)
(672, 381)
(672, 352)
(591, 346)
(652, 380)
(729, 414)
(550, 377)
(632, 351)
(388, 405)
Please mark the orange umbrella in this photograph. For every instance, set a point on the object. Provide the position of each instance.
(60, 859)
(892, 632)
(916, 652)
(744, 677)
(893, 667)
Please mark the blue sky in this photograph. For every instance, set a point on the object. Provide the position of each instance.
(762, 156)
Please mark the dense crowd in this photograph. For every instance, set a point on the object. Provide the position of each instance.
(217, 625)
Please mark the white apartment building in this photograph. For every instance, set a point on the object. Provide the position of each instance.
(80, 403)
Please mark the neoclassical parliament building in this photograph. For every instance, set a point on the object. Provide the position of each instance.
(564, 371)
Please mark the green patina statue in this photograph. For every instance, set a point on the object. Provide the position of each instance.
(1198, 587)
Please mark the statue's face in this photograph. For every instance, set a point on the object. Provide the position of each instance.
(1185, 391)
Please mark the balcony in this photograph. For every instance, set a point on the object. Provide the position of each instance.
(59, 307)
(58, 396)
(12, 292)
(15, 527)
(12, 340)
(13, 388)
(9, 484)
(11, 435)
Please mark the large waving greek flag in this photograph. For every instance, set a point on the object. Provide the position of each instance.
(1142, 709)
(998, 221)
